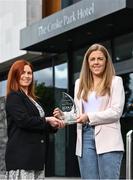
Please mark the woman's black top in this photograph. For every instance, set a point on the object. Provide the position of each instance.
(27, 134)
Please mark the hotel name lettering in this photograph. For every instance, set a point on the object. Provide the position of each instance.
(65, 20)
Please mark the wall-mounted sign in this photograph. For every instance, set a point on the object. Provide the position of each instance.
(66, 19)
(70, 18)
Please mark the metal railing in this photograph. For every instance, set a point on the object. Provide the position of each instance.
(129, 154)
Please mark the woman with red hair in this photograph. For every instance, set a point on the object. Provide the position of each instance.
(27, 126)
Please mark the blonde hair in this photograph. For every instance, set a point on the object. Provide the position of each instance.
(86, 78)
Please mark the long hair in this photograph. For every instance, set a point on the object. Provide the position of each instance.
(86, 79)
(14, 74)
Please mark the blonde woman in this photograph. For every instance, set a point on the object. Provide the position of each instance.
(99, 96)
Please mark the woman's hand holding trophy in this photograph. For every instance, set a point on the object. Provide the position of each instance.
(68, 112)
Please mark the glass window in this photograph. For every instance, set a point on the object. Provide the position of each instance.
(123, 47)
(61, 82)
(44, 76)
(61, 76)
(107, 44)
(78, 59)
(45, 92)
(75, 1)
(3, 88)
(128, 84)
(49, 88)
(127, 117)
(66, 3)
(44, 88)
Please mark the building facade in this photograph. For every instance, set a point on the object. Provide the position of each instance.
(53, 36)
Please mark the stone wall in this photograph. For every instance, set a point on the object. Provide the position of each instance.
(3, 134)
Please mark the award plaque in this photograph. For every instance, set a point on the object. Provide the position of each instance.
(69, 107)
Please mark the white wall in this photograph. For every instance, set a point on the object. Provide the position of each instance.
(12, 19)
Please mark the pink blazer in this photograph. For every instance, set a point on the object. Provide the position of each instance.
(106, 121)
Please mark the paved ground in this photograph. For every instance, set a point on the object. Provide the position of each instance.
(62, 178)
(50, 178)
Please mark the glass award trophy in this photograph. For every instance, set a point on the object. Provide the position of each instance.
(69, 107)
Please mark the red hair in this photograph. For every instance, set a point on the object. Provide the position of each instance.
(14, 74)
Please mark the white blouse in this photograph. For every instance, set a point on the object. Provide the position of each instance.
(40, 109)
(93, 103)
